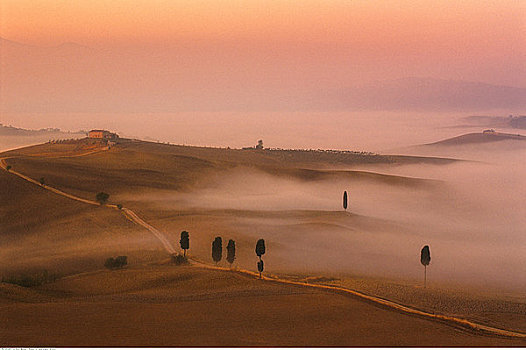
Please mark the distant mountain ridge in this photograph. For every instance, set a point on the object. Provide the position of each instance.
(514, 122)
(434, 94)
(8, 130)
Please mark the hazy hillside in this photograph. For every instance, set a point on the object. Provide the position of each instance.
(480, 146)
(484, 137)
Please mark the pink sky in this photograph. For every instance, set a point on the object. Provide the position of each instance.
(255, 57)
(467, 40)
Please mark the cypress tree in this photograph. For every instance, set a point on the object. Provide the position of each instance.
(260, 248)
(260, 251)
(260, 267)
(425, 259)
(217, 249)
(185, 241)
(231, 252)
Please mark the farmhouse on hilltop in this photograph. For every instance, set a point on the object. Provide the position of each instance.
(102, 134)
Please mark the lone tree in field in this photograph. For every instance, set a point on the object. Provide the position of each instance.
(425, 258)
(42, 181)
(8, 167)
(345, 200)
(260, 251)
(231, 252)
(217, 249)
(185, 241)
(102, 197)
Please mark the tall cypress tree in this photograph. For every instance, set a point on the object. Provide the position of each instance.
(185, 241)
(231, 252)
(260, 251)
(217, 249)
(425, 259)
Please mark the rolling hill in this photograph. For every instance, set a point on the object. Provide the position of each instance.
(481, 138)
(165, 184)
(153, 302)
(477, 146)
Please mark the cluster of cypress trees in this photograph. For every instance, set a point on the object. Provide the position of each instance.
(217, 249)
(217, 252)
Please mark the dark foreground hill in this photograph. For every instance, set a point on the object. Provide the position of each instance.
(163, 305)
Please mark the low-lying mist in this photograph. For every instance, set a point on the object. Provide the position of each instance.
(473, 222)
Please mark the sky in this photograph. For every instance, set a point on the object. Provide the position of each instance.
(467, 40)
(240, 64)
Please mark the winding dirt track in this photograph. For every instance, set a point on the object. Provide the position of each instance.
(160, 236)
(128, 213)
(132, 216)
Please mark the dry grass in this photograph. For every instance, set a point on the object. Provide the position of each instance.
(189, 306)
(45, 231)
(498, 309)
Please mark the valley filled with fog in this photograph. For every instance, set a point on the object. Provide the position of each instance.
(473, 218)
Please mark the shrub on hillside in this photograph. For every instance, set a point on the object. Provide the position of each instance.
(102, 197)
(179, 259)
(116, 263)
(30, 280)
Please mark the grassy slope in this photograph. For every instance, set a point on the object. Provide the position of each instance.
(47, 231)
(184, 306)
